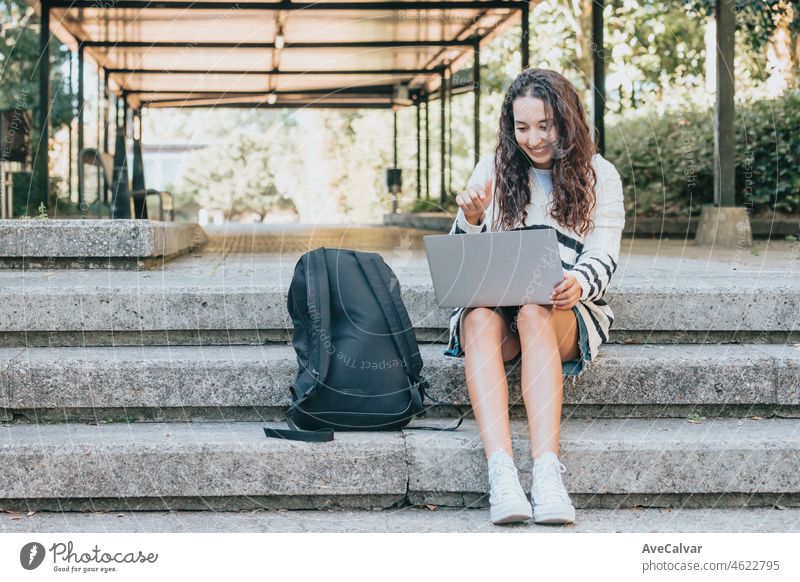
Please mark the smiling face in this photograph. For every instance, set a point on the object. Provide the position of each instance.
(534, 130)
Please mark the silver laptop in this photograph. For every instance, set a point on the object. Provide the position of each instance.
(492, 269)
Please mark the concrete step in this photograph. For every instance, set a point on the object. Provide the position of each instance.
(251, 382)
(98, 244)
(224, 466)
(404, 520)
(178, 307)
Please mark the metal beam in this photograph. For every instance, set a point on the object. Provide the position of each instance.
(429, 72)
(382, 90)
(271, 45)
(292, 6)
(724, 111)
(598, 76)
(178, 104)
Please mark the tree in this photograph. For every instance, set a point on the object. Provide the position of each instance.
(235, 175)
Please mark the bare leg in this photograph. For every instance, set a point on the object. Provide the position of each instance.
(548, 336)
(488, 343)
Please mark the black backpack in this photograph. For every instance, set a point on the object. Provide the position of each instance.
(358, 359)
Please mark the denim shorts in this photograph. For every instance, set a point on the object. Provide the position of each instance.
(570, 367)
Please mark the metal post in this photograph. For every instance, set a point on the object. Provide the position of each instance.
(476, 110)
(106, 110)
(125, 118)
(118, 116)
(427, 150)
(42, 154)
(442, 145)
(106, 198)
(394, 165)
(138, 187)
(419, 151)
(80, 114)
(98, 128)
(450, 130)
(120, 197)
(70, 79)
(394, 136)
(525, 36)
(598, 76)
(724, 129)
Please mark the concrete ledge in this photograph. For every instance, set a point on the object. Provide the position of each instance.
(440, 221)
(94, 243)
(247, 383)
(646, 227)
(173, 464)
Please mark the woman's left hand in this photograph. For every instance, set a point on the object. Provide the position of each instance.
(567, 293)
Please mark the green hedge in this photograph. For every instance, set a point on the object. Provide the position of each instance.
(666, 163)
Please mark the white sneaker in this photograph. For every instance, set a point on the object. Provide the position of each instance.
(551, 504)
(507, 501)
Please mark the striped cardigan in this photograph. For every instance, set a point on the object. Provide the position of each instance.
(592, 258)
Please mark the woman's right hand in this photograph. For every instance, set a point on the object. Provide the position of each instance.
(474, 201)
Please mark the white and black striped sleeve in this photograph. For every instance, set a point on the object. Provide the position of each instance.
(483, 172)
(597, 260)
(462, 226)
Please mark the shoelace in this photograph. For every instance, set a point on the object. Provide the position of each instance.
(547, 481)
(502, 478)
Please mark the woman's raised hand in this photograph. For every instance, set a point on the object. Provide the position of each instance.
(474, 201)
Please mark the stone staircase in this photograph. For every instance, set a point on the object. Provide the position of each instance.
(141, 391)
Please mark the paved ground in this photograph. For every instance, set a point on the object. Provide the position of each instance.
(241, 256)
(418, 520)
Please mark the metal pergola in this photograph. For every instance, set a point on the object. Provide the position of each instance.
(284, 54)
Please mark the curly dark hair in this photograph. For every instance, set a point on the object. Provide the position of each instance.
(574, 178)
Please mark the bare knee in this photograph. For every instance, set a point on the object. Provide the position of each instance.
(532, 315)
(482, 322)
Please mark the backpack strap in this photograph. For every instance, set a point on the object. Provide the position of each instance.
(295, 434)
(319, 302)
(413, 361)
